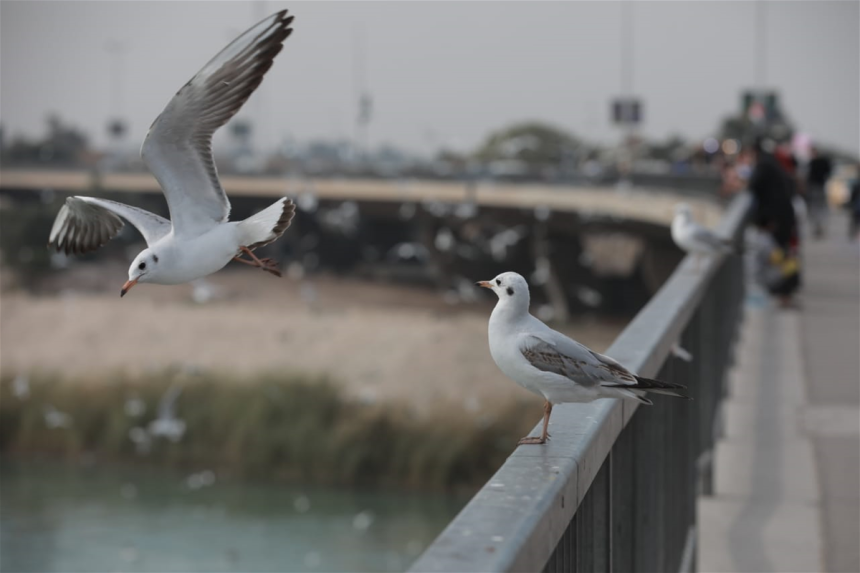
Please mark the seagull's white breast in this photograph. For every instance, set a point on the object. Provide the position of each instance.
(504, 348)
(200, 256)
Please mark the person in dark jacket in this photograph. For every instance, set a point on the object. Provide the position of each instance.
(774, 213)
(772, 190)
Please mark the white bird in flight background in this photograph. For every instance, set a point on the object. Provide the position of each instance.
(199, 239)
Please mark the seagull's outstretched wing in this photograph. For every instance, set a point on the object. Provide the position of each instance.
(178, 147)
(167, 404)
(84, 224)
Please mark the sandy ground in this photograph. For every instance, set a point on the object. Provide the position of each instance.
(379, 341)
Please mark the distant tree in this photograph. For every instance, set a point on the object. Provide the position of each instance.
(736, 127)
(63, 146)
(537, 146)
(774, 124)
(667, 150)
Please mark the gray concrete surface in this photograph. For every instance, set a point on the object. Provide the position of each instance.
(764, 514)
(830, 326)
(787, 468)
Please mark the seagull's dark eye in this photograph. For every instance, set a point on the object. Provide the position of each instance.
(141, 266)
(499, 282)
(510, 291)
(155, 258)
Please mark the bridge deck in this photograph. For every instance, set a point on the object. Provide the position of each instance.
(644, 205)
(787, 486)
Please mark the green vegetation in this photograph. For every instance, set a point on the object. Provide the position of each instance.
(274, 426)
(62, 146)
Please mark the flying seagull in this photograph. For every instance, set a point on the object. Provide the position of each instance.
(695, 239)
(199, 238)
(550, 364)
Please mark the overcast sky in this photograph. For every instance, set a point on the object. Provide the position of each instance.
(440, 73)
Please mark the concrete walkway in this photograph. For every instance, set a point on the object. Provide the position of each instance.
(786, 484)
(830, 322)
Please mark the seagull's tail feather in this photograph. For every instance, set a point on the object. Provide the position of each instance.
(618, 392)
(269, 224)
(654, 386)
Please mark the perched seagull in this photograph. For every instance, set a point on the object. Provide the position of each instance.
(694, 238)
(552, 365)
(199, 239)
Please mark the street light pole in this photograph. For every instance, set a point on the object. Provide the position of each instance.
(627, 121)
(760, 44)
(363, 101)
(627, 49)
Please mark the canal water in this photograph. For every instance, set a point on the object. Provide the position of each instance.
(95, 518)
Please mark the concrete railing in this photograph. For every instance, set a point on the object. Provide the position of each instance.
(614, 491)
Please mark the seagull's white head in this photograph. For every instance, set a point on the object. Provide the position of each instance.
(143, 269)
(682, 211)
(511, 288)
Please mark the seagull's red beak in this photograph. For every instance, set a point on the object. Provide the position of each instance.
(485, 284)
(127, 287)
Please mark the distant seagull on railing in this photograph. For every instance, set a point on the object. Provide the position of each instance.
(552, 365)
(198, 239)
(695, 239)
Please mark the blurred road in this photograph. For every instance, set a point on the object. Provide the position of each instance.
(830, 325)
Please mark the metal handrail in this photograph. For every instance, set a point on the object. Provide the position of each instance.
(523, 518)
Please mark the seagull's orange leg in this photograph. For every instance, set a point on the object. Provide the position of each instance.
(268, 265)
(547, 410)
(266, 262)
(239, 259)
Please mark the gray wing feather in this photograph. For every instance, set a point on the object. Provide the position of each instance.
(709, 238)
(178, 147)
(612, 371)
(556, 353)
(545, 354)
(85, 223)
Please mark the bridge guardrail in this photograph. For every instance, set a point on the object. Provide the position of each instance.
(612, 491)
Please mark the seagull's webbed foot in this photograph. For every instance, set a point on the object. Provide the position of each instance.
(269, 265)
(531, 440)
(544, 435)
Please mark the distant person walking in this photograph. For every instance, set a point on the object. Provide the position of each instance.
(817, 174)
